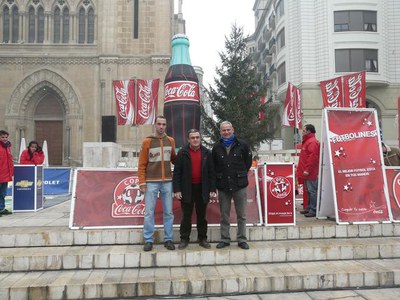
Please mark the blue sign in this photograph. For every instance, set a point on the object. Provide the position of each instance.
(56, 181)
(28, 192)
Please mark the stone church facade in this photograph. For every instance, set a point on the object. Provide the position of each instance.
(58, 59)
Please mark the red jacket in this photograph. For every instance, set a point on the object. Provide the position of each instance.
(6, 163)
(37, 158)
(309, 157)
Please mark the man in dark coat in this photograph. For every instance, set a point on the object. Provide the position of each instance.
(232, 160)
(194, 184)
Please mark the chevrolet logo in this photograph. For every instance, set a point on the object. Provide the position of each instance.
(24, 183)
(39, 183)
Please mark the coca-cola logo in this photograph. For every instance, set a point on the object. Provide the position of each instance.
(355, 88)
(181, 90)
(128, 199)
(122, 97)
(280, 187)
(144, 95)
(332, 91)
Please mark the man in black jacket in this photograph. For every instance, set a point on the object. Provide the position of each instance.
(232, 160)
(194, 184)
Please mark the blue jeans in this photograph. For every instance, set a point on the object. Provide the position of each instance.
(312, 189)
(3, 194)
(152, 189)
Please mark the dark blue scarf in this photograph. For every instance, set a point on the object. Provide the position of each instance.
(228, 142)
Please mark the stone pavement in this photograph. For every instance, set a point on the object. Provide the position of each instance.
(41, 258)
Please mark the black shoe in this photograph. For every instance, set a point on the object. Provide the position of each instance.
(304, 211)
(204, 244)
(5, 212)
(169, 245)
(310, 214)
(183, 244)
(148, 246)
(222, 245)
(244, 245)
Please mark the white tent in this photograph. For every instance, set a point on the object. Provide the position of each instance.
(22, 147)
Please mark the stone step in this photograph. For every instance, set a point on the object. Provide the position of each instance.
(313, 229)
(132, 256)
(200, 280)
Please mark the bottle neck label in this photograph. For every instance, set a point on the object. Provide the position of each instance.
(181, 91)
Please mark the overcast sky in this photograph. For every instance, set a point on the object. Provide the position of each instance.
(207, 24)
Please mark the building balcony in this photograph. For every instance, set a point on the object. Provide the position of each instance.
(271, 22)
(256, 56)
(265, 54)
(272, 70)
(272, 45)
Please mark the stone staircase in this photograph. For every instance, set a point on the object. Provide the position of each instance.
(58, 263)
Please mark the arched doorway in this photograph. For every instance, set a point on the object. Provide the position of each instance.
(48, 121)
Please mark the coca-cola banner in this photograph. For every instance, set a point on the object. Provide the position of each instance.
(181, 90)
(356, 159)
(147, 101)
(279, 194)
(111, 198)
(354, 90)
(344, 91)
(393, 181)
(124, 93)
(292, 112)
(332, 92)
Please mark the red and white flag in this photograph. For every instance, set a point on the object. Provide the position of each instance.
(332, 92)
(124, 93)
(147, 101)
(354, 90)
(292, 112)
(344, 91)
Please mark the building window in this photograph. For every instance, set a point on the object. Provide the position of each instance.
(57, 25)
(86, 23)
(281, 73)
(36, 24)
(279, 9)
(10, 23)
(356, 60)
(355, 20)
(280, 39)
(136, 19)
(65, 24)
(15, 25)
(61, 25)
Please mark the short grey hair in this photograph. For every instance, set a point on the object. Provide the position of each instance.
(225, 123)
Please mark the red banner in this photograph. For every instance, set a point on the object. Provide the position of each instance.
(280, 194)
(292, 112)
(124, 93)
(181, 90)
(344, 91)
(358, 174)
(105, 198)
(332, 92)
(147, 101)
(393, 181)
(354, 90)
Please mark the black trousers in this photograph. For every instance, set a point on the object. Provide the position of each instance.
(187, 210)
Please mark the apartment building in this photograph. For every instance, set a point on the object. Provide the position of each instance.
(307, 41)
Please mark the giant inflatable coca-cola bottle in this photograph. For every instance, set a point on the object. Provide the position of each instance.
(181, 92)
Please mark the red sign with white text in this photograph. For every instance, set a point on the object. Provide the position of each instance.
(106, 198)
(332, 92)
(181, 90)
(358, 174)
(393, 181)
(280, 194)
(292, 112)
(124, 94)
(354, 90)
(147, 101)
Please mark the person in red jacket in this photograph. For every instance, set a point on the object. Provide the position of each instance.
(6, 169)
(308, 167)
(32, 155)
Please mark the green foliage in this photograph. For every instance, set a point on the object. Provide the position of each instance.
(236, 96)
